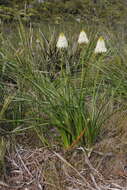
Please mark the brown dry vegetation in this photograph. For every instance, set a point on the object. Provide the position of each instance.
(102, 167)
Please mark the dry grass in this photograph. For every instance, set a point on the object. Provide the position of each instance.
(79, 169)
(104, 167)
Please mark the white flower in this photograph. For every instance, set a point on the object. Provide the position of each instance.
(100, 47)
(62, 41)
(83, 38)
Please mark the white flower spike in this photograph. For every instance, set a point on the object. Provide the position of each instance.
(100, 47)
(62, 41)
(83, 39)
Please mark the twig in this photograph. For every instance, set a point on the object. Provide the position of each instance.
(24, 164)
(67, 163)
(90, 165)
(3, 184)
(95, 184)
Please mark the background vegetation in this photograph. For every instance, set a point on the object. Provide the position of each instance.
(92, 11)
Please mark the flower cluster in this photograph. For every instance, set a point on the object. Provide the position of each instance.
(62, 41)
(100, 47)
(82, 39)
